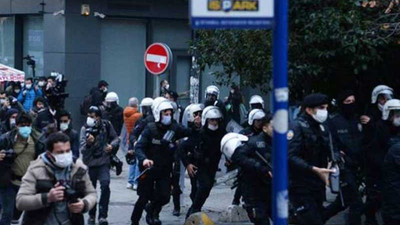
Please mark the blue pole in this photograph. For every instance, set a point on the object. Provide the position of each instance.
(280, 207)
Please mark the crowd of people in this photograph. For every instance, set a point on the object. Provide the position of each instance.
(51, 170)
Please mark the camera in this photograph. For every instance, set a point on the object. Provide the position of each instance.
(71, 195)
(9, 153)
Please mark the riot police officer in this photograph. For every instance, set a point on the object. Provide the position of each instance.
(379, 140)
(254, 160)
(212, 99)
(191, 119)
(155, 152)
(347, 132)
(202, 155)
(391, 185)
(380, 95)
(256, 102)
(308, 160)
(254, 121)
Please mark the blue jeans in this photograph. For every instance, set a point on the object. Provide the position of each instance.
(8, 195)
(133, 173)
(101, 174)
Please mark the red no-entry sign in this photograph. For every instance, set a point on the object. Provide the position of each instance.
(157, 58)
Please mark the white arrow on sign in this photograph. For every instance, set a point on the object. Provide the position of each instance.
(156, 59)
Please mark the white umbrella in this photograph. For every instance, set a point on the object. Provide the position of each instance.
(10, 74)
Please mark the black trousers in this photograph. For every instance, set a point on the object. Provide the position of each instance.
(374, 197)
(155, 189)
(202, 184)
(257, 204)
(308, 208)
(176, 189)
(351, 199)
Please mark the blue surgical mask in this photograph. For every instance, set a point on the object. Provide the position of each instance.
(25, 131)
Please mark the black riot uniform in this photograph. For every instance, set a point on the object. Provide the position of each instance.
(378, 142)
(308, 148)
(391, 186)
(347, 133)
(254, 179)
(156, 185)
(203, 151)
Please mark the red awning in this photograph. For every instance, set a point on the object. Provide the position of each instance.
(10, 74)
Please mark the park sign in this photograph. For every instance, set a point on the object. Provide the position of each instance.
(238, 14)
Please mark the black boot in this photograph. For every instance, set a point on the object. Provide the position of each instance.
(149, 214)
(157, 220)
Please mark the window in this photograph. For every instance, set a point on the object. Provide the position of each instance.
(33, 43)
(7, 40)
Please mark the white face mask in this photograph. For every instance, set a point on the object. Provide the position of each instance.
(63, 160)
(105, 90)
(64, 126)
(167, 86)
(28, 86)
(380, 107)
(396, 122)
(41, 83)
(90, 122)
(321, 115)
(166, 120)
(17, 91)
(213, 127)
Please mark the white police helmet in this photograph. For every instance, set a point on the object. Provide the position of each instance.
(146, 102)
(157, 101)
(212, 90)
(255, 114)
(390, 105)
(112, 97)
(188, 114)
(210, 112)
(381, 89)
(230, 142)
(256, 99)
(165, 105)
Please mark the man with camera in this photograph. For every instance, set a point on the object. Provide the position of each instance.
(98, 141)
(56, 189)
(18, 148)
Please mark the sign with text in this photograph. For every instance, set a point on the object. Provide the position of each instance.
(242, 14)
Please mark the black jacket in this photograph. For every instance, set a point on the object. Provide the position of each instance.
(97, 96)
(45, 118)
(202, 149)
(138, 129)
(347, 133)
(152, 146)
(308, 147)
(74, 140)
(378, 141)
(253, 175)
(391, 183)
(115, 115)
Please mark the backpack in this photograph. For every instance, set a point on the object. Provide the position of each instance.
(85, 105)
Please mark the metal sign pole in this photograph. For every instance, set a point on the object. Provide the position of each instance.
(280, 211)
